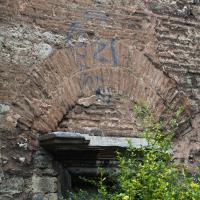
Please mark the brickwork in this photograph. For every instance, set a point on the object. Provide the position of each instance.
(101, 116)
(58, 56)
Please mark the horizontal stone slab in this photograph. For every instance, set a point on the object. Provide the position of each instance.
(92, 141)
(63, 135)
(77, 151)
(123, 142)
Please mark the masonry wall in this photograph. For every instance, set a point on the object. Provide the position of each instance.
(58, 55)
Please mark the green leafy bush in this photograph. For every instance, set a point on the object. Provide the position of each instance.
(152, 176)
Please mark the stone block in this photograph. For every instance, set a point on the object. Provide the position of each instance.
(43, 50)
(4, 108)
(44, 184)
(14, 185)
(42, 160)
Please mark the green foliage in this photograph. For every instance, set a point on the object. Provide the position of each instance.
(153, 177)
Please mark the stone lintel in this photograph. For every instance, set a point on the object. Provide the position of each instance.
(56, 142)
(83, 154)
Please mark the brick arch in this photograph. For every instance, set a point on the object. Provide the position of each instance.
(62, 79)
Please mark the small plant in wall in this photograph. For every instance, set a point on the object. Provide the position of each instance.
(153, 175)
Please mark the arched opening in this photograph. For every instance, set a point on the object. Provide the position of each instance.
(97, 103)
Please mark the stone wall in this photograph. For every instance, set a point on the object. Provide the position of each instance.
(39, 181)
(54, 54)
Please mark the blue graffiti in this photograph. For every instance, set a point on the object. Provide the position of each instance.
(81, 56)
(73, 27)
(115, 60)
(91, 80)
(88, 81)
(83, 46)
(80, 48)
(99, 79)
(100, 47)
(82, 66)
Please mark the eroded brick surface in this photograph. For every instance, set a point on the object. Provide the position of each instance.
(104, 114)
